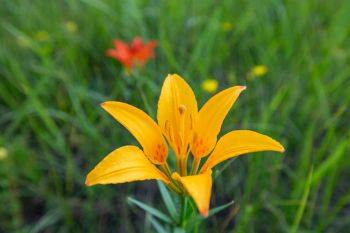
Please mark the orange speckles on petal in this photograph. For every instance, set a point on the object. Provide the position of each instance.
(199, 146)
(160, 152)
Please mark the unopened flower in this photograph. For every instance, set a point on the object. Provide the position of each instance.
(210, 85)
(3, 153)
(41, 36)
(188, 131)
(135, 53)
(71, 26)
(226, 26)
(259, 70)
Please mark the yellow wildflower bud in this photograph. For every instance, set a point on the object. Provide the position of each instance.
(226, 26)
(41, 35)
(71, 26)
(3, 153)
(210, 85)
(259, 70)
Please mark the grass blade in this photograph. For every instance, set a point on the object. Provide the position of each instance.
(215, 210)
(150, 210)
(167, 200)
(156, 225)
(303, 203)
(330, 162)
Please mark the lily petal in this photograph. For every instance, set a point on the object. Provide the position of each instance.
(146, 52)
(177, 112)
(210, 119)
(240, 142)
(121, 52)
(144, 129)
(128, 163)
(199, 187)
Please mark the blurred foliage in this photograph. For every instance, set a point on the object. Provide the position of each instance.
(54, 73)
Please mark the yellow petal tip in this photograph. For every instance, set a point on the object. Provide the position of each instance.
(282, 149)
(106, 104)
(173, 76)
(87, 183)
(205, 213)
(103, 105)
(169, 75)
(89, 180)
(243, 88)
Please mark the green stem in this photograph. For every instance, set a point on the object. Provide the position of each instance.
(172, 185)
(183, 211)
(166, 169)
(174, 188)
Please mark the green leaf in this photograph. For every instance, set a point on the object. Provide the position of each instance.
(179, 230)
(150, 210)
(99, 5)
(168, 201)
(218, 172)
(157, 226)
(303, 203)
(219, 208)
(194, 222)
(331, 161)
(212, 212)
(46, 221)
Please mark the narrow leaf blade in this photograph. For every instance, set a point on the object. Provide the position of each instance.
(150, 210)
(167, 200)
(156, 225)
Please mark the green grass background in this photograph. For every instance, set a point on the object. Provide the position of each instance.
(55, 132)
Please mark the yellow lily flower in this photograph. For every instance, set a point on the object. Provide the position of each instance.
(186, 130)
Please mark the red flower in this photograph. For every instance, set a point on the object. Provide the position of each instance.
(136, 52)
